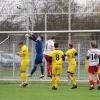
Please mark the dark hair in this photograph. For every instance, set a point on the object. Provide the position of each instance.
(53, 37)
(70, 45)
(93, 44)
(56, 45)
(21, 43)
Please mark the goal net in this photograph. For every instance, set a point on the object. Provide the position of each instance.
(10, 62)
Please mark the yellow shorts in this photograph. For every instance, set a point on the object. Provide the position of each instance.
(24, 65)
(71, 68)
(57, 70)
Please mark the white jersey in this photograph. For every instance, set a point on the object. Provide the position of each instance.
(49, 47)
(93, 57)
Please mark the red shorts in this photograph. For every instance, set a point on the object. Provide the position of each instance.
(47, 58)
(93, 69)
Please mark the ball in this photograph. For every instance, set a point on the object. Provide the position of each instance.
(19, 6)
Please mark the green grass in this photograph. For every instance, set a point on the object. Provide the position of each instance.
(42, 91)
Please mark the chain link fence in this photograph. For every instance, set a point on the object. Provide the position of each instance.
(10, 62)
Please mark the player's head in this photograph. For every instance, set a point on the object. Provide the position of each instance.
(53, 38)
(21, 44)
(56, 45)
(70, 45)
(93, 44)
(40, 37)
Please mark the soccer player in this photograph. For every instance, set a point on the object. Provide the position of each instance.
(56, 57)
(49, 46)
(24, 53)
(39, 54)
(93, 62)
(71, 53)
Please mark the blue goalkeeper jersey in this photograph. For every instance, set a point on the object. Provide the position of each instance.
(39, 47)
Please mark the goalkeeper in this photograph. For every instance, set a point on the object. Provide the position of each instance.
(39, 54)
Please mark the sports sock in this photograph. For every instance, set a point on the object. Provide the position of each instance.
(53, 81)
(42, 69)
(91, 83)
(49, 69)
(24, 76)
(73, 80)
(33, 70)
(57, 81)
(98, 82)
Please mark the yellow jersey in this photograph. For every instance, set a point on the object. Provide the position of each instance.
(57, 57)
(24, 52)
(71, 55)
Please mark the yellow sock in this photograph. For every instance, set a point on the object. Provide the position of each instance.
(57, 81)
(53, 81)
(73, 80)
(23, 76)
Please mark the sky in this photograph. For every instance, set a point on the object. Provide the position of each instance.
(82, 2)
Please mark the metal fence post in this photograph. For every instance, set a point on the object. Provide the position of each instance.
(32, 56)
(13, 60)
(78, 62)
(45, 42)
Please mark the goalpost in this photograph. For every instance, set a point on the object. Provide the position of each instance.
(9, 62)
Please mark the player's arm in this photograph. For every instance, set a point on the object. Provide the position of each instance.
(67, 53)
(32, 37)
(22, 53)
(18, 53)
(63, 57)
(87, 61)
(76, 52)
(99, 58)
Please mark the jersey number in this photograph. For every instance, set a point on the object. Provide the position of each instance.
(57, 57)
(93, 56)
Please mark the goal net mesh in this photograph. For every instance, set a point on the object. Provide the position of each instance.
(10, 62)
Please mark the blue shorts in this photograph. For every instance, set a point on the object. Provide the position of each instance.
(38, 59)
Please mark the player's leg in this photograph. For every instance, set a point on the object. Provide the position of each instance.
(57, 79)
(91, 81)
(53, 78)
(42, 70)
(91, 77)
(49, 68)
(36, 63)
(71, 70)
(53, 81)
(99, 72)
(33, 70)
(73, 80)
(24, 65)
(97, 78)
(58, 73)
(40, 62)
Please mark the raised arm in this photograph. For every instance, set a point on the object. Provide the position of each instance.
(32, 37)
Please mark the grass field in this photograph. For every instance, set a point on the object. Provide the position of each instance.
(43, 91)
